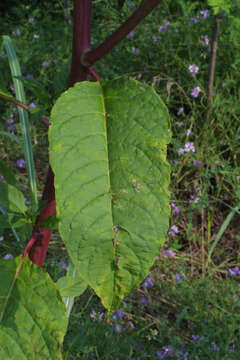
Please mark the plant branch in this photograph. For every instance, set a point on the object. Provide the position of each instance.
(81, 40)
(212, 66)
(14, 101)
(141, 12)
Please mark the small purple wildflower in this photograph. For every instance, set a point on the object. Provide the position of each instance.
(135, 51)
(168, 350)
(194, 199)
(195, 92)
(148, 282)
(1, 238)
(189, 146)
(118, 328)
(131, 325)
(235, 297)
(214, 346)
(176, 211)
(193, 69)
(32, 105)
(180, 151)
(188, 132)
(130, 35)
(180, 277)
(168, 253)
(2, 178)
(118, 315)
(180, 110)
(115, 228)
(195, 19)
(224, 85)
(8, 257)
(161, 355)
(155, 39)
(63, 265)
(144, 300)
(234, 271)
(31, 20)
(21, 163)
(204, 13)
(46, 63)
(205, 40)
(197, 163)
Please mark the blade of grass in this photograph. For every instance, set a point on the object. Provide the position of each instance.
(221, 231)
(23, 115)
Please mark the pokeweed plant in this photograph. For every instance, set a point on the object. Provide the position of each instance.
(108, 198)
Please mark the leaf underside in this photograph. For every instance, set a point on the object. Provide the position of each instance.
(35, 321)
(108, 152)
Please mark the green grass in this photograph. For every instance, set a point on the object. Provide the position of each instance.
(192, 310)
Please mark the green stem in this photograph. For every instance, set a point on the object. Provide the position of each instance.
(23, 115)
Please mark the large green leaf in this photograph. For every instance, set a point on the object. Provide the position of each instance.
(35, 321)
(108, 152)
(11, 198)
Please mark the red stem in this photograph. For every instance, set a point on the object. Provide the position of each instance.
(141, 12)
(81, 40)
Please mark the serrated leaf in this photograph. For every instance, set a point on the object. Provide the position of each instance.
(11, 198)
(35, 321)
(108, 153)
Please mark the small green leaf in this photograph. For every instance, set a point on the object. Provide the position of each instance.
(11, 198)
(8, 174)
(5, 93)
(70, 286)
(35, 321)
(12, 220)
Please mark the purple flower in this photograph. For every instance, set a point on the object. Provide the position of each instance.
(131, 325)
(180, 110)
(197, 163)
(148, 282)
(205, 40)
(135, 51)
(118, 328)
(130, 35)
(195, 92)
(32, 105)
(8, 257)
(189, 146)
(214, 346)
(118, 315)
(63, 265)
(155, 39)
(46, 63)
(176, 211)
(161, 28)
(21, 163)
(115, 228)
(188, 132)
(194, 200)
(1, 238)
(193, 69)
(204, 13)
(195, 19)
(144, 300)
(161, 355)
(224, 85)
(168, 253)
(178, 277)
(31, 20)
(234, 271)
(168, 350)
(180, 151)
